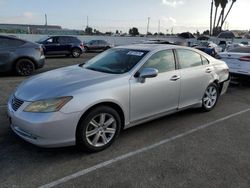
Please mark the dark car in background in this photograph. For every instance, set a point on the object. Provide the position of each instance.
(62, 45)
(20, 56)
(94, 45)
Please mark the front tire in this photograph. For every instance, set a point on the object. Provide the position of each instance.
(98, 129)
(210, 97)
(24, 67)
(76, 52)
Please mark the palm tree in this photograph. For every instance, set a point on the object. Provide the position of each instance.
(217, 4)
(223, 4)
(211, 17)
(233, 1)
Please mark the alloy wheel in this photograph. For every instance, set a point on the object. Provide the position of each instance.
(210, 97)
(101, 129)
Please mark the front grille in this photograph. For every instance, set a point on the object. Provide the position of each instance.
(16, 103)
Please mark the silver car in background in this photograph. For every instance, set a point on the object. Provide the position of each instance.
(89, 104)
(237, 59)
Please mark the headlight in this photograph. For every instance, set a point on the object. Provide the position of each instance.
(49, 105)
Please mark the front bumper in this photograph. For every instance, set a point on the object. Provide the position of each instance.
(41, 62)
(44, 129)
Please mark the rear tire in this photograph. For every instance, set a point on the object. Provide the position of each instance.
(76, 52)
(98, 129)
(24, 67)
(210, 97)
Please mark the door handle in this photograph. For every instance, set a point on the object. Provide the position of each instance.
(175, 77)
(208, 70)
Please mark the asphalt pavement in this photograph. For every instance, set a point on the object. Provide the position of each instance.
(187, 149)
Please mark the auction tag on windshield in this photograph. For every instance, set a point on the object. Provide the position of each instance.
(135, 53)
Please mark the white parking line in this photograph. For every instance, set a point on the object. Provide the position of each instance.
(3, 106)
(130, 154)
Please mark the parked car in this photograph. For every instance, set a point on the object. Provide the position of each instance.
(94, 45)
(238, 60)
(62, 45)
(208, 47)
(89, 104)
(20, 56)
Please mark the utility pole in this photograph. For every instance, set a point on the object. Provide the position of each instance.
(148, 26)
(159, 26)
(87, 21)
(46, 23)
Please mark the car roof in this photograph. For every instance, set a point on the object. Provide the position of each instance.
(152, 47)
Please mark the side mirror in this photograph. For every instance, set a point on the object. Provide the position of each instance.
(147, 73)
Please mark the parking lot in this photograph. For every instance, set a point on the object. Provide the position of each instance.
(187, 149)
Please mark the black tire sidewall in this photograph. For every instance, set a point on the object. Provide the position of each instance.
(76, 49)
(17, 68)
(217, 91)
(81, 140)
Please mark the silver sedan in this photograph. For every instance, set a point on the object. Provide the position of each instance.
(89, 104)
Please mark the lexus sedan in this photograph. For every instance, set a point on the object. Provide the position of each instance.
(20, 56)
(89, 104)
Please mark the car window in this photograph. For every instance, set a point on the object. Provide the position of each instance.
(204, 60)
(188, 58)
(163, 61)
(240, 50)
(115, 61)
(8, 42)
(74, 40)
(52, 40)
(102, 42)
(63, 40)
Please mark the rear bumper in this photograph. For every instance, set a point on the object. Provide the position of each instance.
(225, 85)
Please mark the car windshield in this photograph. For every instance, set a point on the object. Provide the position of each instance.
(115, 61)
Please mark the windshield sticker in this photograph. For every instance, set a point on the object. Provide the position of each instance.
(135, 53)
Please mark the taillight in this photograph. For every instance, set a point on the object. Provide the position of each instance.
(245, 58)
(82, 45)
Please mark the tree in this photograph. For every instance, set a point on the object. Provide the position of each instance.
(206, 32)
(217, 4)
(134, 31)
(211, 16)
(233, 1)
(223, 4)
(88, 31)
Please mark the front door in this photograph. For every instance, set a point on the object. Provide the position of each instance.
(159, 94)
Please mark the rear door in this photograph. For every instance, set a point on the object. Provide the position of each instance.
(159, 94)
(8, 47)
(195, 76)
(64, 44)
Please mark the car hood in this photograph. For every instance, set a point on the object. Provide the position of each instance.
(60, 82)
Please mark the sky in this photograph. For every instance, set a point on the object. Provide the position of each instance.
(112, 15)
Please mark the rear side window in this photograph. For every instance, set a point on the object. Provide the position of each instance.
(204, 60)
(240, 50)
(188, 58)
(8, 43)
(74, 40)
(163, 61)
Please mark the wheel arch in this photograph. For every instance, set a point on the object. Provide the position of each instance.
(24, 57)
(113, 105)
